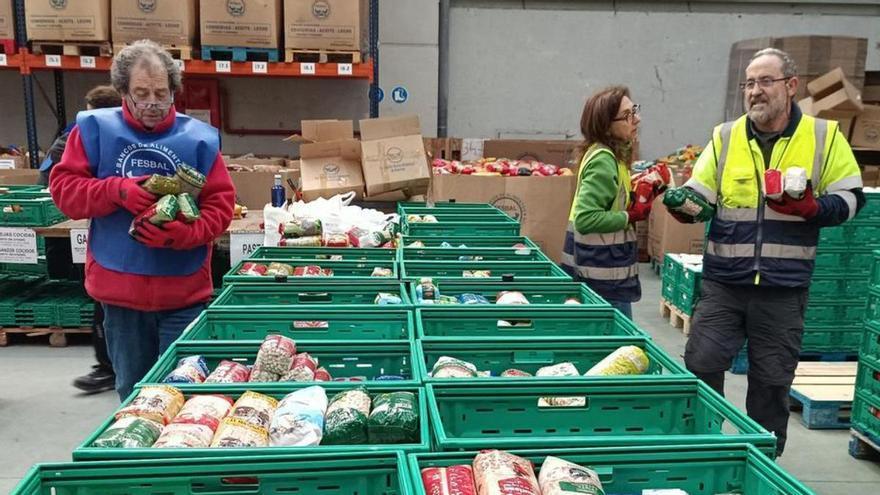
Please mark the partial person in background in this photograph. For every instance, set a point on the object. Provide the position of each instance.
(600, 243)
(156, 280)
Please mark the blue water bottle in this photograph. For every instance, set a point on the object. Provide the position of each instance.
(279, 196)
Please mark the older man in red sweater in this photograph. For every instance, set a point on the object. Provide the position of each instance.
(156, 282)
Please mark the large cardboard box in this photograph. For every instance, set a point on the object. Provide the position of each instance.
(8, 162)
(668, 235)
(19, 176)
(843, 117)
(254, 188)
(331, 167)
(556, 152)
(393, 156)
(53, 20)
(7, 20)
(240, 23)
(866, 129)
(169, 23)
(541, 204)
(833, 91)
(326, 24)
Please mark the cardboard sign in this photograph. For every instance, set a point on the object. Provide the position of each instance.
(242, 245)
(79, 240)
(18, 245)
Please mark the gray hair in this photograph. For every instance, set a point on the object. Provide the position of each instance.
(789, 68)
(136, 53)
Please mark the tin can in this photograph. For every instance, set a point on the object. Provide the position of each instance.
(773, 187)
(511, 297)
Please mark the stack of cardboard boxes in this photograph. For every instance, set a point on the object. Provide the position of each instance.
(68, 21)
(171, 24)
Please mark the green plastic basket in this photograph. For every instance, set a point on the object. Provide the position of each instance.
(359, 271)
(696, 469)
(496, 357)
(871, 341)
(831, 338)
(849, 234)
(341, 359)
(472, 254)
(507, 416)
(420, 208)
(524, 323)
(868, 377)
(513, 271)
(837, 310)
(309, 292)
(374, 473)
(476, 241)
(853, 261)
(838, 286)
(455, 223)
(542, 294)
(12, 188)
(301, 325)
(29, 208)
(85, 452)
(319, 254)
(865, 411)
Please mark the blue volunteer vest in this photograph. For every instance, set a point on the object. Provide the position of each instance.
(116, 150)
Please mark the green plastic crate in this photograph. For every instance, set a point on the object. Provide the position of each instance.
(669, 291)
(13, 188)
(437, 323)
(831, 338)
(868, 376)
(461, 254)
(301, 325)
(25, 270)
(454, 224)
(865, 412)
(499, 356)
(29, 208)
(85, 452)
(672, 268)
(477, 214)
(872, 306)
(375, 473)
(841, 286)
(836, 260)
(341, 359)
(309, 292)
(319, 254)
(419, 208)
(871, 210)
(849, 234)
(47, 304)
(841, 312)
(470, 241)
(874, 273)
(696, 469)
(508, 416)
(871, 341)
(686, 300)
(528, 271)
(360, 271)
(538, 293)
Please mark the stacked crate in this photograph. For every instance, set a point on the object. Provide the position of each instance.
(866, 402)
(681, 278)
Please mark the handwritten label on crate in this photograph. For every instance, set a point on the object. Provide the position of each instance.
(344, 69)
(260, 67)
(307, 69)
(18, 245)
(242, 245)
(87, 62)
(79, 240)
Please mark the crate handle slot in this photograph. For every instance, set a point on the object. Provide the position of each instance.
(516, 324)
(563, 402)
(534, 357)
(310, 325)
(235, 486)
(315, 297)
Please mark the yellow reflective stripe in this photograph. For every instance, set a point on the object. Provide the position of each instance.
(788, 251)
(730, 250)
(771, 214)
(737, 214)
(722, 158)
(851, 202)
(820, 131)
(707, 193)
(607, 239)
(845, 184)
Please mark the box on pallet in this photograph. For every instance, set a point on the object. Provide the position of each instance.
(240, 23)
(7, 21)
(335, 25)
(166, 23)
(68, 21)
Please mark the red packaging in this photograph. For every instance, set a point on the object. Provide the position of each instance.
(302, 369)
(311, 271)
(322, 375)
(359, 237)
(256, 269)
(229, 372)
(773, 186)
(336, 240)
(452, 480)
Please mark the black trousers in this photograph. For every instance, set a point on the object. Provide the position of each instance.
(771, 319)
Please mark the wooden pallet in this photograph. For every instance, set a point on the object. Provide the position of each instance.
(77, 48)
(825, 392)
(57, 335)
(677, 318)
(178, 52)
(7, 46)
(863, 445)
(240, 54)
(322, 56)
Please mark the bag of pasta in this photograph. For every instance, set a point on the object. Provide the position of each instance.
(159, 403)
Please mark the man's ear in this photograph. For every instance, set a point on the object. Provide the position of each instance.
(792, 86)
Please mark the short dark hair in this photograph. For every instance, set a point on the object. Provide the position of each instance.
(103, 97)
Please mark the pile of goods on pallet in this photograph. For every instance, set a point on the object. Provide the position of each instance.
(682, 276)
(497, 167)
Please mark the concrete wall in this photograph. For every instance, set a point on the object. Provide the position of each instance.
(524, 68)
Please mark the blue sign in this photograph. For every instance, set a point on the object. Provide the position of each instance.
(399, 94)
(380, 95)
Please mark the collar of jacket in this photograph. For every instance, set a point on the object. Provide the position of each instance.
(163, 126)
(793, 121)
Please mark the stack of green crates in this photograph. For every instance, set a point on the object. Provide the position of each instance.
(866, 404)
(682, 276)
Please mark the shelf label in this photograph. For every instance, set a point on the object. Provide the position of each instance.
(260, 67)
(79, 239)
(242, 245)
(3, 59)
(307, 69)
(223, 66)
(180, 64)
(53, 60)
(87, 62)
(344, 69)
(18, 246)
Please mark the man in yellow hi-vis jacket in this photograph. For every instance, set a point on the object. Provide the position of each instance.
(760, 252)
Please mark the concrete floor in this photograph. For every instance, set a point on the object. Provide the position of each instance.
(43, 418)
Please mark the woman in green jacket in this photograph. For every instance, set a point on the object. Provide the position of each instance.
(600, 243)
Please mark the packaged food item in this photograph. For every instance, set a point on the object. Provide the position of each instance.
(191, 180)
(470, 258)
(191, 369)
(452, 480)
(235, 432)
(253, 269)
(386, 299)
(276, 354)
(511, 297)
(429, 219)
(445, 244)
(359, 237)
(773, 184)
(514, 373)
(689, 203)
(413, 219)
(263, 376)
(239, 212)
(476, 273)
(336, 240)
(472, 299)
(441, 299)
(394, 418)
(188, 210)
(561, 369)
(570, 301)
(163, 211)
(130, 432)
(426, 291)
(500, 473)
(302, 369)
(301, 227)
(382, 272)
(626, 360)
(450, 367)
(312, 271)
(416, 244)
(299, 419)
(207, 410)
(254, 409)
(346, 420)
(308, 241)
(229, 372)
(159, 403)
(322, 375)
(161, 185)
(381, 237)
(388, 378)
(795, 182)
(276, 269)
(185, 436)
(560, 477)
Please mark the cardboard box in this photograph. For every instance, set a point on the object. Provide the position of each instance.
(331, 167)
(833, 91)
(871, 175)
(555, 152)
(51, 20)
(19, 176)
(393, 156)
(866, 129)
(7, 20)
(9, 162)
(253, 188)
(240, 23)
(326, 24)
(168, 23)
(541, 204)
(668, 235)
(844, 118)
(445, 148)
(871, 91)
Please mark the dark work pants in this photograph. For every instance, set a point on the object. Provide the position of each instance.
(772, 320)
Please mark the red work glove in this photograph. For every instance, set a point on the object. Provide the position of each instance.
(638, 211)
(174, 235)
(133, 197)
(806, 207)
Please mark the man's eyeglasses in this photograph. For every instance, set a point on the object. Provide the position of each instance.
(764, 82)
(159, 105)
(629, 114)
